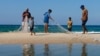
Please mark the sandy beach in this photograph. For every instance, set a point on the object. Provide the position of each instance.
(49, 38)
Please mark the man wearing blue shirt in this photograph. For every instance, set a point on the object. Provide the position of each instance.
(46, 19)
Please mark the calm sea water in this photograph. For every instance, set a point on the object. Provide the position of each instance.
(50, 50)
(52, 28)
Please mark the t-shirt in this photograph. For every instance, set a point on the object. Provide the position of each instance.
(46, 17)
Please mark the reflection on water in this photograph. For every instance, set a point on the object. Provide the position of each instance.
(84, 53)
(28, 50)
(70, 48)
(58, 50)
(46, 52)
(50, 50)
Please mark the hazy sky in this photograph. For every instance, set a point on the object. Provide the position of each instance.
(11, 10)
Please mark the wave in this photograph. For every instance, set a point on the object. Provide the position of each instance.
(91, 32)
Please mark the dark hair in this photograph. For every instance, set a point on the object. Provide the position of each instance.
(27, 9)
(82, 6)
(50, 10)
(70, 18)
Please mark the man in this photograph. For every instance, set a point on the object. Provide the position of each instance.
(46, 20)
(32, 25)
(69, 23)
(84, 18)
(25, 19)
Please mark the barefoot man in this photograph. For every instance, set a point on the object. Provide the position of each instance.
(46, 20)
(31, 21)
(69, 24)
(84, 18)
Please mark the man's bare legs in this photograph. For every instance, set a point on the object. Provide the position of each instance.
(46, 28)
(84, 29)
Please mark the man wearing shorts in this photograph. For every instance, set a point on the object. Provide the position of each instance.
(84, 18)
(32, 25)
(69, 24)
(46, 20)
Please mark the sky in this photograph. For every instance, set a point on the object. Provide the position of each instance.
(11, 11)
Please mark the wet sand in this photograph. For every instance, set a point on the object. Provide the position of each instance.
(48, 38)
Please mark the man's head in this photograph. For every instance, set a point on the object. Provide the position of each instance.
(27, 10)
(82, 7)
(49, 10)
(70, 18)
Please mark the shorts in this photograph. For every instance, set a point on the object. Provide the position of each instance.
(46, 20)
(31, 29)
(70, 29)
(84, 22)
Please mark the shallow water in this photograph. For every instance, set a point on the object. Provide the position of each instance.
(10, 50)
(50, 50)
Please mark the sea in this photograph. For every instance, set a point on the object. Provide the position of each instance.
(52, 28)
(75, 49)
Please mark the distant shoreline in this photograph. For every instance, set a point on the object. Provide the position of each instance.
(52, 25)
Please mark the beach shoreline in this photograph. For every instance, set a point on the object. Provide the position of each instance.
(48, 38)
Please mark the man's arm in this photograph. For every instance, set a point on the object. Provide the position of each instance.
(50, 17)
